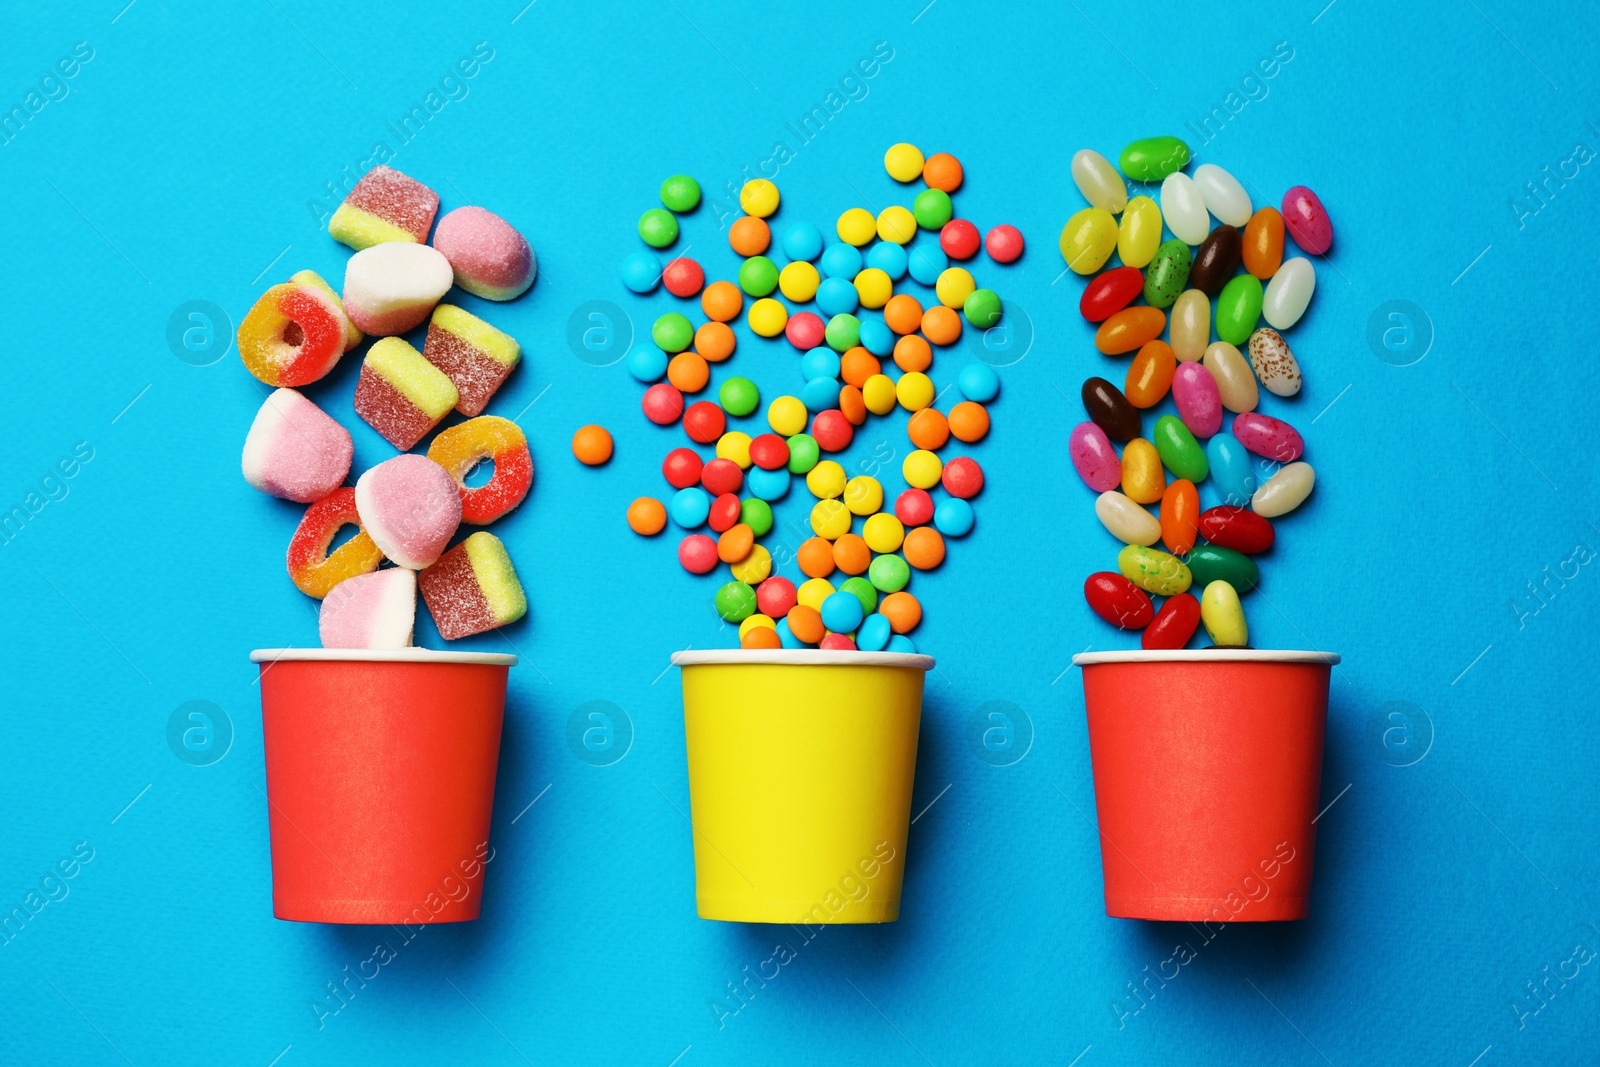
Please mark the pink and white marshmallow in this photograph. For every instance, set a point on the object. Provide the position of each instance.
(392, 287)
(410, 507)
(489, 256)
(377, 610)
(295, 449)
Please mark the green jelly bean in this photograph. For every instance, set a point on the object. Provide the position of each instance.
(1153, 570)
(1179, 451)
(863, 591)
(1238, 308)
(735, 602)
(1213, 563)
(1167, 274)
(756, 514)
(888, 574)
(1150, 159)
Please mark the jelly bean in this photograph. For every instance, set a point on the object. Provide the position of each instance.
(1284, 491)
(953, 518)
(1143, 478)
(1224, 196)
(1184, 210)
(1139, 233)
(1307, 220)
(1099, 181)
(1150, 375)
(1118, 601)
(1269, 437)
(978, 381)
(1274, 362)
(1232, 471)
(1216, 260)
(1129, 329)
(1262, 251)
(1174, 624)
(1088, 239)
(1288, 293)
(1110, 410)
(1199, 402)
(1180, 516)
(1110, 292)
(1237, 528)
(1224, 618)
(1191, 325)
(1178, 449)
(1150, 159)
(1125, 520)
(1238, 309)
(1168, 274)
(1153, 570)
(1215, 563)
(1236, 386)
(1093, 457)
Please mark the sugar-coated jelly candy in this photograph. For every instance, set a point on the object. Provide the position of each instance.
(1110, 410)
(1125, 520)
(1130, 329)
(1269, 437)
(400, 394)
(1110, 292)
(1224, 196)
(1274, 362)
(1288, 293)
(1224, 618)
(376, 610)
(1307, 220)
(1179, 451)
(1180, 516)
(500, 441)
(1143, 477)
(1184, 210)
(1088, 239)
(296, 450)
(473, 588)
(492, 259)
(1149, 159)
(1139, 232)
(1232, 470)
(474, 355)
(1153, 570)
(1173, 625)
(383, 206)
(1199, 402)
(1262, 250)
(1284, 491)
(1150, 374)
(410, 507)
(1212, 563)
(1099, 181)
(1168, 274)
(1236, 386)
(352, 333)
(1093, 457)
(1191, 325)
(1239, 308)
(1215, 260)
(294, 334)
(1237, 528)
(313, 569)
(1118, 601)
(390, 288)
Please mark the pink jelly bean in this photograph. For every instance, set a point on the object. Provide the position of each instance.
(1267, 436)
(1093, 456)
(1199, 402)
(1307, 220)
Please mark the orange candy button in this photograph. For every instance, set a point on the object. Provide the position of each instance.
(806, 623)
(647, 516)
(969, 421)
(851, 554)
(923, 548)
(815, 557)
(902, 610)
(928, 429)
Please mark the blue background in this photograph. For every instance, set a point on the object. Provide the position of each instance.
(1457, 861)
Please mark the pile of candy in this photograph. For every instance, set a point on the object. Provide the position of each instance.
(842, 351)
(409, 507)
(1186, 292)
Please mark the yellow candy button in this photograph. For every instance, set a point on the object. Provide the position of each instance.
(759, 197)
(830, 519)
(914, 391)
(883, 532)
(767, 317)
(897, 224)
(798, 281)
(735, 446)
(863, 495)
(922, 469)
(787, 416)
(878, 394)
(826, 480)
(857, 226)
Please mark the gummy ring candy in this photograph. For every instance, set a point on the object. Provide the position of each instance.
(312, 568)
(294, 335)
(463, 446)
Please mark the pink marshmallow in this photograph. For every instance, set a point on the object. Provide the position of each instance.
(392, 287)
(489, 257)
(295, 449)
(377, 610)
(410, 507)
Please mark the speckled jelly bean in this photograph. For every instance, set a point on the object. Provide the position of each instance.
(1237, 528)
(1153, 570)
(1150, 159)
(1307, 220)
(1239, 308)
(1179, 451)
(1262, 251)
(1195, 392)
(1099, 181)
(1269, 437)
(1110, 292)
(1143, 477)
(1215, 260)
(1224, 196)
(1191, 325)
(1139, 232)
(1288, 294)
(1214, 563)
(1110, 410)
(1173, 625)
(1233, 472)
(1284, 491)
(1224, 618)
(1180, 516)
(1088, 239)
(1150, 375)
(1273, 362)
(1130, 329)
(1168, 274)
(1236, 386)
(1125, 520)
(1093, 457)
(1184, 210)
(1118, 601)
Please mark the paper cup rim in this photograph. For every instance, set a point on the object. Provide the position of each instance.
(1206, 655)
(817, 657)
(381, 655)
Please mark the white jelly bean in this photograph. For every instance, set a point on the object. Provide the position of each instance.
(1099, 181)
(1235, 384)
(1284, 491)
(1190, 320)
(1184, 209)
(1127, 521)
(1223, 195)
(1288, 293)
(1274, 363)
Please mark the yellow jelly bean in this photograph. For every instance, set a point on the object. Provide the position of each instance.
(1088, 239)
(1190, 325)
(874, 287)
(754, 568)
(863, 495)
(914, 390)
(878, 393)
(1224, 618)
(1140, 233)
(753, 622)
(883, 532)
(830, 519)
(735, 446)
(857, 226)
(787, 416)
(798, 281)
(767, 317)
(1144, 480)
(922, 469)
(897, 224)
(955, 284)
(812, 593)
(826, 480)
(1153, 570)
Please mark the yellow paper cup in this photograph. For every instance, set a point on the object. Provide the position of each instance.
(800, 770)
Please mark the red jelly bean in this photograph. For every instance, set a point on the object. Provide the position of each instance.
(682, 468)
(1110, 293)
(959, 239)
(775, 596)
(769, 452)
(962, 477)
(914, 507)
(724, 513)
(722, 476)
(832, 431)
(683, 277)
(662, 404)
(1118, 601)
(705, 421)
(1004, 243)
(1237, 528)
(1307, 220)
(698, 554)
(1174, 624)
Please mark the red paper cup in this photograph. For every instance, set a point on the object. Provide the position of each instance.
(380, 781)
(1207, 772)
